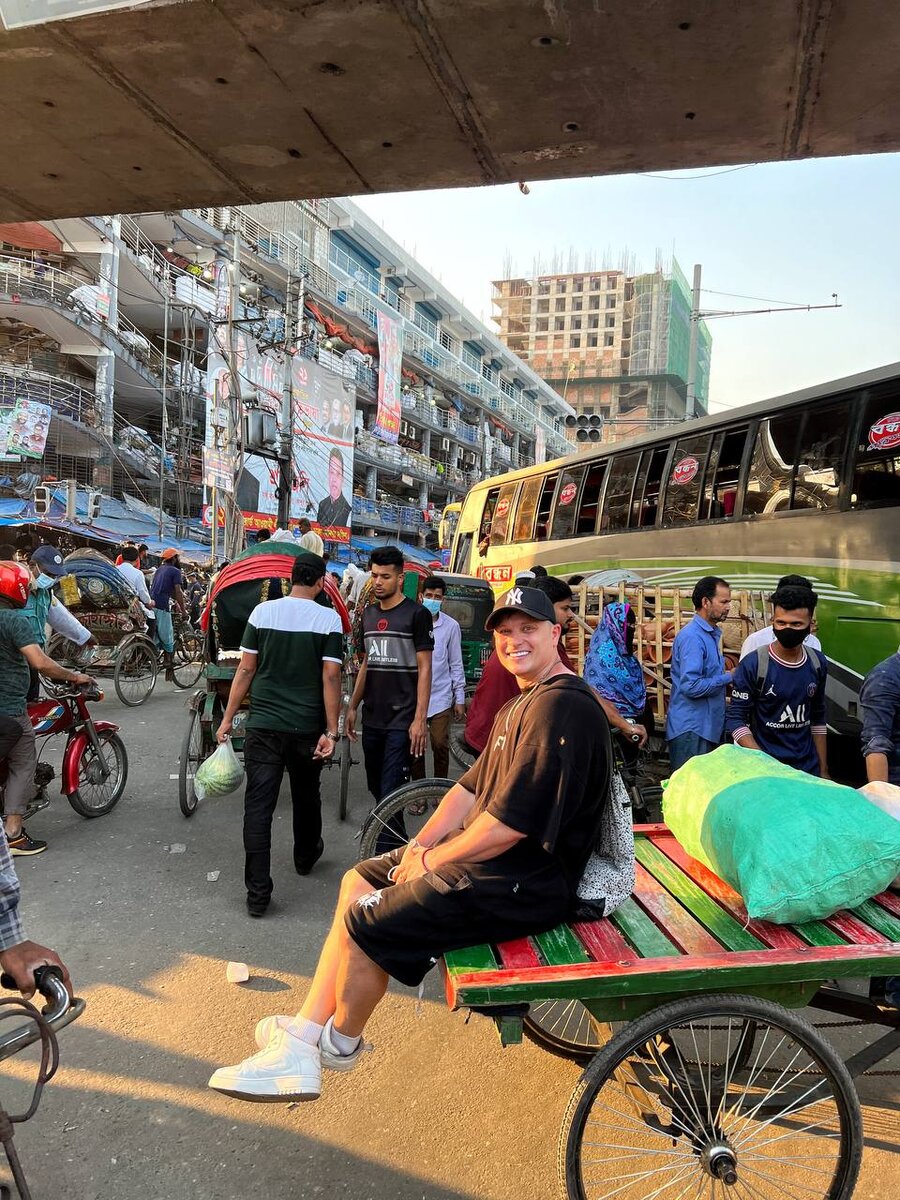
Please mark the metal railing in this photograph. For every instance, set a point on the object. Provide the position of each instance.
(384, 453)
(397, 516)
(64, 397)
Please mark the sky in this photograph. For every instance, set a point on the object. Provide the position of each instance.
(787, 232)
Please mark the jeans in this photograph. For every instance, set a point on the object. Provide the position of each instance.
(388, 763)
(688, 745)
(21, 760)
(439, 728)
(267, 753)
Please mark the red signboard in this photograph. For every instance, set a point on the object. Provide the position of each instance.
(501, 574)
(684, 471)
(885, 434)
(567, 495)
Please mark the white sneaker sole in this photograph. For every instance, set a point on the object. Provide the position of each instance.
(290, 1090)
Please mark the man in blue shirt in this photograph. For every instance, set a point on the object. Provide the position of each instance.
(165, 591)
(778, 703)
(696, 714)
(880, 703)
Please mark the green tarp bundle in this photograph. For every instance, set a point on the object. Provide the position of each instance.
(795, 847)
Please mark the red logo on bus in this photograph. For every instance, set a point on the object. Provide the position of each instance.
(503, 507)
(501, 574)
(567, 495)
(685, 471)
(885, 434)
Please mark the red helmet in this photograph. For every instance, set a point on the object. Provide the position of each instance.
(15, 580)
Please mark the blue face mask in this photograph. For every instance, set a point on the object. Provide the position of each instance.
(44, 581)
(433, 606)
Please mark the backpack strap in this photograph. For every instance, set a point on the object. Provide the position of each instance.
(762, 666)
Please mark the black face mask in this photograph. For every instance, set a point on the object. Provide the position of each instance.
(791, 638)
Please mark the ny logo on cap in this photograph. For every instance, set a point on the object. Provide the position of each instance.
(514, 596)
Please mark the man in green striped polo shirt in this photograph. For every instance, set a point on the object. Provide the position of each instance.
(291, 652)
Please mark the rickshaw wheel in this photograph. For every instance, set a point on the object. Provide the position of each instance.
(346, 764)
(655, 1109)
(565, 1028)
(193, 752)
(187, 659)
(400, 816)
(137, 666)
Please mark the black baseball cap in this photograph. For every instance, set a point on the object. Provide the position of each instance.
(50, 561)
(530, 601)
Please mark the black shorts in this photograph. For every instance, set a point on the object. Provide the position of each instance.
(406, 927)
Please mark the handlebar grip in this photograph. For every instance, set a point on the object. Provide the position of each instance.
(42, 977)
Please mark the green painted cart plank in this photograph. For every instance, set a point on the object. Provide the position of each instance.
(473, 958)
(723, 927)
(560, 946)
(878, 918)
(647, 940)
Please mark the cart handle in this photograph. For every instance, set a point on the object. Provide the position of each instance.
(61, 1009)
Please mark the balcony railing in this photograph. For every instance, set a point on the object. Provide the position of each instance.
(395, 516)
(383, 453)
(64, 397)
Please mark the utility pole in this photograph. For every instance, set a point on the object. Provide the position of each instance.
(292, 332)
(690, 407)
(164, 417)
(234, 522)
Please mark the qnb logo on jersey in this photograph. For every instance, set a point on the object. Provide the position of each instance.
(513, 597)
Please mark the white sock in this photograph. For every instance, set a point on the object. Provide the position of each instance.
(306, 1030)
(342, 1043)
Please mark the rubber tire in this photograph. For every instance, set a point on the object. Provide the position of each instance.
(187, 797)
(641, 1030)
(561, 1047)
(346, 763)
(394, 802)
(458, 751)
(193, 638)
(120, 660)
(89, 811)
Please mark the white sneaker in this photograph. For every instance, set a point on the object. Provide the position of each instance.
(286, 1070)
(332, 1059)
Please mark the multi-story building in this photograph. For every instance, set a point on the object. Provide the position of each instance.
(113, 322)
(614, 345)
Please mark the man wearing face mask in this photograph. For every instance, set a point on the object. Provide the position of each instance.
(448, 679)
(43, 608)
(778, 695)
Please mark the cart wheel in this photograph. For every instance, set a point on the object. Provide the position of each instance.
(346, 764)
(459, 751)
(134, 677)
(193, 752)
(655, 1111)
(566, 1028)
(400, 816)
(187, 659)
(97, 795)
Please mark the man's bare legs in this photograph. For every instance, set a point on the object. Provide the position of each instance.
(338, 962)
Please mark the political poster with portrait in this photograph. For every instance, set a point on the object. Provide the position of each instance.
(324, 419)
(28, 428)
(390, 363)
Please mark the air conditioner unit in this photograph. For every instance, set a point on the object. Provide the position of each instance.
(404, 429)
(445, 443)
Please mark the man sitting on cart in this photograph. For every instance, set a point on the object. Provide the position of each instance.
(501, 858)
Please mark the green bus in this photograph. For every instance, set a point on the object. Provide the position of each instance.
(808, 482)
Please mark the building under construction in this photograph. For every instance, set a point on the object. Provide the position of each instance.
(615, 345)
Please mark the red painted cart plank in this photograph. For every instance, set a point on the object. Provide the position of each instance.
(774, 936)
(602, 941)
(890, 901)
(854, 930)
(672, 918)
(519, 953)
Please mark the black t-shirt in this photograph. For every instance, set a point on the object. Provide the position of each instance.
(392, 638)
(544, 773)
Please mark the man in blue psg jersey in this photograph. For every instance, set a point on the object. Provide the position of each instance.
(778, 694)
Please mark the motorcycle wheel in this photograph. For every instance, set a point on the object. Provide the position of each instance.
(95, 796)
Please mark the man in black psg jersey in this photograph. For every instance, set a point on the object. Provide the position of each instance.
(394, 682)
(500, 858)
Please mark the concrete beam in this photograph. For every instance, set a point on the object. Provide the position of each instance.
(214, 102)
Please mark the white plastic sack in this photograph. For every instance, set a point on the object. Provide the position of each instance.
(219, 774)
(887, 797)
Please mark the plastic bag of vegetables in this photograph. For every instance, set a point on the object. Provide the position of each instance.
(219, 774)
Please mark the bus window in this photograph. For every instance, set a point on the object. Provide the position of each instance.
(502, 513)
(462, 563)
(487, 518)
(820, 457)
(523, 526)
(772, 466)
(590, 499)
(723, 474)
(876, 473)
(685, 479)
(567, 503)
(618, 492)
(545, 507)
(645, 504)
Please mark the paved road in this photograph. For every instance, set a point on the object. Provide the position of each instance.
(438, 1111)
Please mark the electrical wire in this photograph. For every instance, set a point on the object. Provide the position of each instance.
(699, 175)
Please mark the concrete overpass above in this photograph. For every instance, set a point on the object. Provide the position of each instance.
(214, 102)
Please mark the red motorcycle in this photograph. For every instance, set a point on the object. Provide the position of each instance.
(95, 764)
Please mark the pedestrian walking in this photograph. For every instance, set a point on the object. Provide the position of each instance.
(309, 539)
(696, 716)
(778, 694)
(167, 594)
(880, 703)
(291, 653)
(501, 858)
(448, 679)
(394, 680)
(766, 635)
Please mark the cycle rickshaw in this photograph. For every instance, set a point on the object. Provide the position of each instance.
(263, 572)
